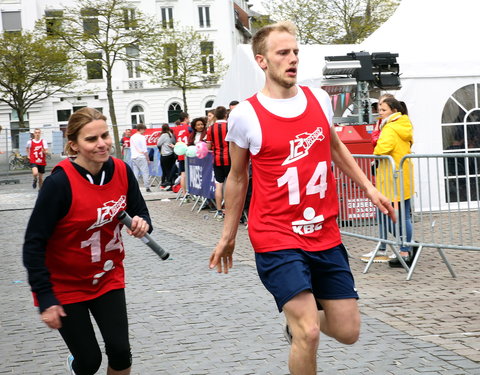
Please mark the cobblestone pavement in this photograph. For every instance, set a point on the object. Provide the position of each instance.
(186, 319)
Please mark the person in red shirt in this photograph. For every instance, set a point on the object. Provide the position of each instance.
(286, 132)
(73, 249)
(125, 141)
(37, 149)
(181, 133)
(221, 158)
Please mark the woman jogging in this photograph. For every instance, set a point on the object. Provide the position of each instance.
(73, 248)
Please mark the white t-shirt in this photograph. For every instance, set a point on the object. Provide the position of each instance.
(243, 125)
(138, 145)
(44, 142)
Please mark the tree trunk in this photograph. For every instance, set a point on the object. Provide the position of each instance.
(113, 116)
(184, 95)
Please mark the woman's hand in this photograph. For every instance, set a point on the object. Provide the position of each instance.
(139, 227)
(52, 316)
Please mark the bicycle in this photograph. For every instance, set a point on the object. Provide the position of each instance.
(17, 161)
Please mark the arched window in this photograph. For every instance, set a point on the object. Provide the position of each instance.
(208, 106)
(461, 133)
(137, 115)
(174, 110)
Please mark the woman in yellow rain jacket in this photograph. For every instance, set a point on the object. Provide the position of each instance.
(396, 139)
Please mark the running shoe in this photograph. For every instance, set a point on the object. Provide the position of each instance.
(34, 184)
(69, 364)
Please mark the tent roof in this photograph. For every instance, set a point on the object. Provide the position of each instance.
(433, 38)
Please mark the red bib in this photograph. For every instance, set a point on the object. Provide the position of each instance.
(181, 135)
(85, 252)
(294, 202)
(37, 156)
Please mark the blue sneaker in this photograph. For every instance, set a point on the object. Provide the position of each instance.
(69, 365)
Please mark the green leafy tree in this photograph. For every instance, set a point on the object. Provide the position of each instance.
(332, 21)
(101, 33)
(32, 68)
(183, 58)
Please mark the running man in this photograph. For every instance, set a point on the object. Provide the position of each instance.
(37, 149)
(286, 130)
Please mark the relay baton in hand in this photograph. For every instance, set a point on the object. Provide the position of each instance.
(151, 243)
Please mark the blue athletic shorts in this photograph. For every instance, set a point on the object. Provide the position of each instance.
(286, 273)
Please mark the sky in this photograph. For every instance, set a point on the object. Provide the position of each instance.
(257, 5)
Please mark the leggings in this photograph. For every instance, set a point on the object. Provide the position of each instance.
(110, 313)
(168, 172)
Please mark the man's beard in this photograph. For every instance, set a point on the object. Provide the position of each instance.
(285, 83)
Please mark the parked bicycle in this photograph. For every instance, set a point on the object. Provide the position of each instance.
(17, 161)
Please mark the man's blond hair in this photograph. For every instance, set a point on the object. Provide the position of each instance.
(259, 41)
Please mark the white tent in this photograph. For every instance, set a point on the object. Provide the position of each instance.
(438, 55)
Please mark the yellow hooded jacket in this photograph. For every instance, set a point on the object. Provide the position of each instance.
(395, 140)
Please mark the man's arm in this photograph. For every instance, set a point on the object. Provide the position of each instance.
(235, 192)
(345, 161)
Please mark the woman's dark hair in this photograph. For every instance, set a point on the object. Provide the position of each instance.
(166, 129)
(394, 104)
(191, 137)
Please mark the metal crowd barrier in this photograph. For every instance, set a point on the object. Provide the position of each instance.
(444, 204)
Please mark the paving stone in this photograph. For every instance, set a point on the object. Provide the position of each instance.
(187, 319)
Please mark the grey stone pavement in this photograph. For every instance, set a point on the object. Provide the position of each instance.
(187, 319)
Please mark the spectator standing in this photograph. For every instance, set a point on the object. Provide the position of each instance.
(165, 144)
(286, 131)
(381, 256)
(37, 149)
(73, 248)
(210, 117)
(181, 133)
(199, 131)
(140, 157)
(395, 140)
(125, 141)
(221, 157)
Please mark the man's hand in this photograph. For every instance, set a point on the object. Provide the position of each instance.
(382, 202)
(222, 256)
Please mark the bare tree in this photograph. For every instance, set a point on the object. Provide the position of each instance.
(183, 58)
(332, 21)
(101, 33)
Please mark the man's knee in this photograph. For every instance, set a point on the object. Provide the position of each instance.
(349, 333)
(310, 335)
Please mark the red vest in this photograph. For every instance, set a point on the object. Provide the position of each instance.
(85, 252)
(181, 135)
(294, 202)
(37, 156)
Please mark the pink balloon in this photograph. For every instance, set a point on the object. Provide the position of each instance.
(202, 150)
